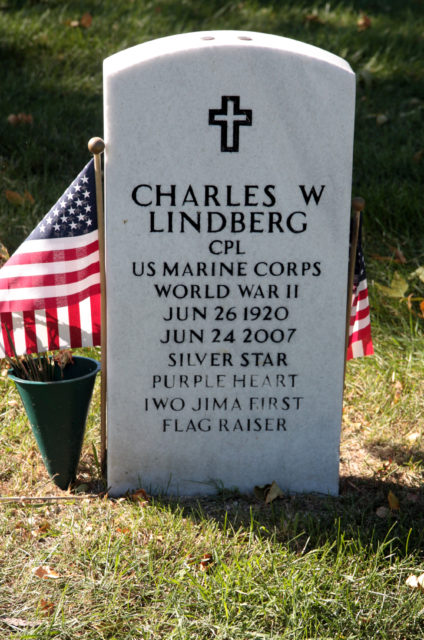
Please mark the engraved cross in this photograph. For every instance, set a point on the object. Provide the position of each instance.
(230, 118)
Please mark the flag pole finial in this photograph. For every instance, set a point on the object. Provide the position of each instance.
(358, 203)
(96, 145)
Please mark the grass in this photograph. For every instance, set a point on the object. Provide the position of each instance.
(228, 566)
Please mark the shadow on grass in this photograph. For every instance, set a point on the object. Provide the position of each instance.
(398, 454)
(310, 521)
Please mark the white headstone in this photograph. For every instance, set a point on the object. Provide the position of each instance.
(228, 183)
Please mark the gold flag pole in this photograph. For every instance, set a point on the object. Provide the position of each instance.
(96, 146)
(358, 205)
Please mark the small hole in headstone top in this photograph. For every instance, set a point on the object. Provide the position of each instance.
(208, 38)
(244, 38)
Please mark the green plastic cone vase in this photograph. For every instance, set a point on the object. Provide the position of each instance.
(57, 412)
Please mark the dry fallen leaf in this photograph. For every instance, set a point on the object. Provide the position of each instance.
(364, 22)
(20, 118)
(415, 582)
(313, 17)
(206, 562)
(47, 607)
(393, 501)
(86, 20)
(122, 530)
(418, 273)
(422, 307)
(412, 582)
(268, 492)
(418, 156)
(273, 493)
(43, 527)
(13, 119)
(45, 572)
(14, 197)
(140, 496)
(398, 286)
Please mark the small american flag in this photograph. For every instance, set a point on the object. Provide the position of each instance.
(360, 343)
(50, 287)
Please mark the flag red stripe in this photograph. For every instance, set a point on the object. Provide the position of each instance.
(75, 326)
(52, 279)
(368, 347)
(361, 334)
(48, 303)
(30, 331)
(52, 329)
(58, 255)
(361, 295)
(360, 315)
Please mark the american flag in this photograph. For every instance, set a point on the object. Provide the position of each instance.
(360, 343)
(50, 287)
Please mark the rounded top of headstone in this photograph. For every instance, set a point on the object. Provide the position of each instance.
(185, 42)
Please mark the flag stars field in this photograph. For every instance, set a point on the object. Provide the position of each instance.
(69, 208)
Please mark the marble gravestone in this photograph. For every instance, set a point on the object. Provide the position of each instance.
(227, 187)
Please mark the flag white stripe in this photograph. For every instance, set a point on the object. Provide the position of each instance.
(48, 268)
(359, 324)
(357, 349)
(54, 291)
(19, 332)
(362, 285)
(41, 330)
(85, 323)
(57, 244)
(359, 305)
(63, 327)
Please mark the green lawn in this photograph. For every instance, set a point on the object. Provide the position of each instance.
(304, 567)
